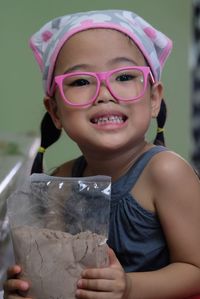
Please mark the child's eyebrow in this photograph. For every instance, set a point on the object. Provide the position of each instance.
(112, 62)
(123, 59)
(76, 67)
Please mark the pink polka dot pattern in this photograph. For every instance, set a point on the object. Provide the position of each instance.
(46, 35)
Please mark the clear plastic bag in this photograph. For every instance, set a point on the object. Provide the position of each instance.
(59, 226)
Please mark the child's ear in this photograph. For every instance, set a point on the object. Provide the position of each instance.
(156, 98)
(51, 106)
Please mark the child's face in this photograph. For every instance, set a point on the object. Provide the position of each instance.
(99, 50)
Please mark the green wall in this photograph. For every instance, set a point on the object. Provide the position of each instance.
(21, 90)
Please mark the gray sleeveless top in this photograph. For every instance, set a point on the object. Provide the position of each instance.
(135, 234)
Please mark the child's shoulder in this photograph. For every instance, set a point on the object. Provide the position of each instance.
(65, 169)
(168, 166)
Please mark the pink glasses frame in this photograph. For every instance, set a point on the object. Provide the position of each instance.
(102, 76)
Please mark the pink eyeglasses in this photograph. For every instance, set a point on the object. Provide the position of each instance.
(81, 89)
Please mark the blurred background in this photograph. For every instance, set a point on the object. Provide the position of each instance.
(21, 92)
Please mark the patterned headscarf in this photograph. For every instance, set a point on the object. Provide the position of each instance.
(48, 41)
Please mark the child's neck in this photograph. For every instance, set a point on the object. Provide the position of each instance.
(114, 166)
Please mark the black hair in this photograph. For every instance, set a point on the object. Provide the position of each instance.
(49, 135)
(161, 119)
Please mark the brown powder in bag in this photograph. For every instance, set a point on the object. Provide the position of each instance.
(52, 261)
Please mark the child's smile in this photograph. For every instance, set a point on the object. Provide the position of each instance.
(108, 119)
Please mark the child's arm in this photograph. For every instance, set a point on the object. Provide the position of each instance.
(177, 202)
(13, 285)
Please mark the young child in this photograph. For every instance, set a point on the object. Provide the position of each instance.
(101, 74)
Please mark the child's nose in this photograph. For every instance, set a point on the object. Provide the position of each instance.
(104, 95)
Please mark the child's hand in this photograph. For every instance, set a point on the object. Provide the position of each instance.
(13, 285)
(103, 283)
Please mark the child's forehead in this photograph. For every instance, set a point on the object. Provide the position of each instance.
(99, 35)
(101, 41)
(103, 33)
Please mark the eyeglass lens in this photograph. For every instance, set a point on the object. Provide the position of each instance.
(124, 85)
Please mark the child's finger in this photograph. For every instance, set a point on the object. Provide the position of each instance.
(96, 285)
(12, 271)
(83, 294)
(15, 285)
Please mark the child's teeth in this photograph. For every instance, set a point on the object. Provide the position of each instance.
(108, 119)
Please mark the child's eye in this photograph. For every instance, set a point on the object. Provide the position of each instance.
(79, 82)
(125, 77)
